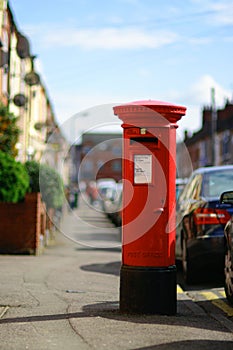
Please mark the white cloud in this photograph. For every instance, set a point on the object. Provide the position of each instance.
(194, 98)
(223, 12)
(199, 41)
(191, 121)
(199, 93)
(219, 12)
(108, 38)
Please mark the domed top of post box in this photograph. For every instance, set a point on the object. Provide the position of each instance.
(148, 110)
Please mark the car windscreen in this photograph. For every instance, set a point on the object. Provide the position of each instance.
(216, 182)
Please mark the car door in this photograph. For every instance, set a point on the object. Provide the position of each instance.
(186, 203)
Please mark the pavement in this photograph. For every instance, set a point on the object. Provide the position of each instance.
(68, 298)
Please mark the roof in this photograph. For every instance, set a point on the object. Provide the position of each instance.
(213, 168)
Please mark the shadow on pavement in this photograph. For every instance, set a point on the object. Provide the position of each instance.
(206, 280)
(192, 344)
(110, 310)
(116, 249)
(112, 268)
(42, 318)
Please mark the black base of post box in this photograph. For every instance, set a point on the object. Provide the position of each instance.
(148, 290)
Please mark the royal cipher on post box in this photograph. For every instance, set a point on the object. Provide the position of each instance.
(148, 271)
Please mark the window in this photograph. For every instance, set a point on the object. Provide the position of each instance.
(217, 182)
(116, 165)
(5, 42)
(226, 145)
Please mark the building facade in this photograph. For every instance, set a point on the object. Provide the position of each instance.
(212, 144)
(23, 91)
(98, 156)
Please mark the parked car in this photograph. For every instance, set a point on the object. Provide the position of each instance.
(180, 184)
(201, 221)
(226, 200)
(97, 190)
(113, 205)
(105, 187)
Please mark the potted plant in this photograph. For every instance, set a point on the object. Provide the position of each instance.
(19, 215)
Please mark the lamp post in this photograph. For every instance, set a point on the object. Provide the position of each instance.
(213, 126)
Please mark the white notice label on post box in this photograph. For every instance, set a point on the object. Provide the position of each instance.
(142, 168)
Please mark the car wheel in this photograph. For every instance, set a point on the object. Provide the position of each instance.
(188, 272)
(228, 271)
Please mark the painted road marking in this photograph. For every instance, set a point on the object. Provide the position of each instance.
(179, 289)
(214, 298)
(222, 293)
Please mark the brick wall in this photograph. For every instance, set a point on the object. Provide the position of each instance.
(21, 225)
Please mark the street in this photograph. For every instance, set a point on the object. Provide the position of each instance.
(69, 297)
(209, 295)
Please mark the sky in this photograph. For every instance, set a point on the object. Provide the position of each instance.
(97, 52)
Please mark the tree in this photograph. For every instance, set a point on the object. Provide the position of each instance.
(51, 186)
(46, 180)
(9, 131)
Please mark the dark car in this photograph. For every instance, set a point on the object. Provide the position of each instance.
(201, 220)
(226, 200)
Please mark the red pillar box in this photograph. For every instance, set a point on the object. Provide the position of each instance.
(148, 271)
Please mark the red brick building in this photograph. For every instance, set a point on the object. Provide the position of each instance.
(98, 156)
(211, 146)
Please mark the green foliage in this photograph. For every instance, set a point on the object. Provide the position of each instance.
(51, 186)
(9, 131)
(33, 169)
(46, 180)
(14, 179)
